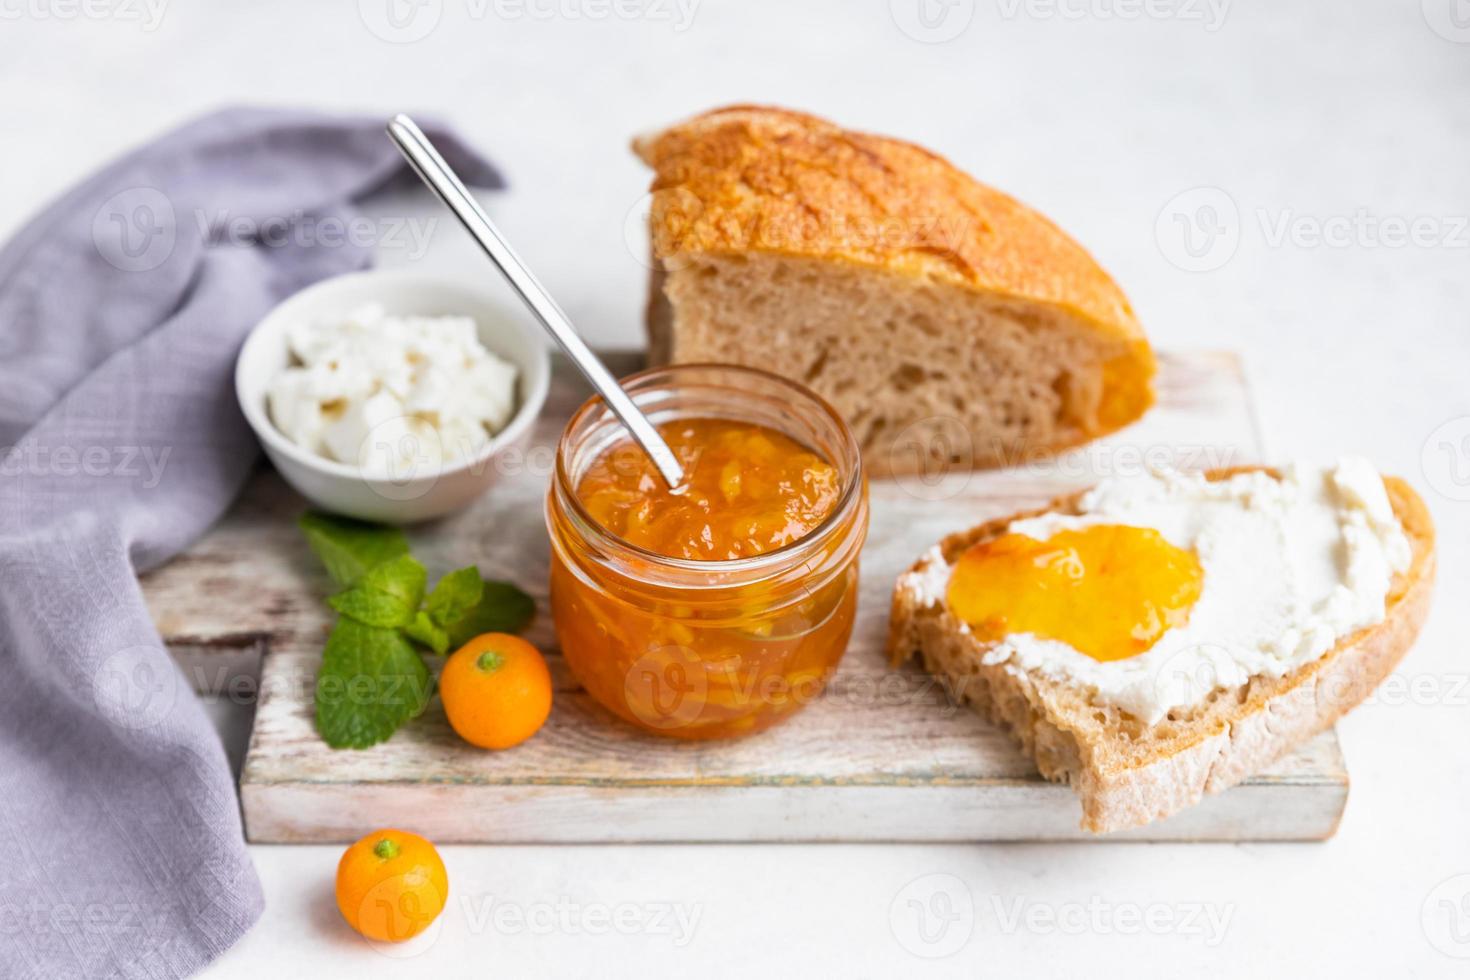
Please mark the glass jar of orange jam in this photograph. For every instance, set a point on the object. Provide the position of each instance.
(720, 608)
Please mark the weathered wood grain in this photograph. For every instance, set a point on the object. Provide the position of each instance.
(881, 754)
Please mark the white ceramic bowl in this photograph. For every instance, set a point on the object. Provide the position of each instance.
(401, 498)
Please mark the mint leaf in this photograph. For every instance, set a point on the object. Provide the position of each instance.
(371, 681)
(429, 633)
(372, 678)
(350, 549)
(502, 608)
(388, 595)
(455, 595)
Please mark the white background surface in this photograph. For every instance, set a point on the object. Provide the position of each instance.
(1308, 111)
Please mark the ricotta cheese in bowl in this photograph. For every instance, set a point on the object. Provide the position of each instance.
(1165, 586)
(391, 395)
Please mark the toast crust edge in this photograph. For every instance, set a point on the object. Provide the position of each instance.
(1121, 786)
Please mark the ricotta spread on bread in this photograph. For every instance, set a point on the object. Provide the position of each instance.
(1291, 565)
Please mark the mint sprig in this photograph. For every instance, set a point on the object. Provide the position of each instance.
(350, 549)
(387, 596)
(373, 678)
(371, 681)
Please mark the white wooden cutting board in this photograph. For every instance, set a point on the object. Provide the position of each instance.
(881, 756)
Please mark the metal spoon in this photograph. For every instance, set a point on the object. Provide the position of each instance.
(443, 181)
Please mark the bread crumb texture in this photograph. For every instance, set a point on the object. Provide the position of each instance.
(951, 325)
(1128, 773)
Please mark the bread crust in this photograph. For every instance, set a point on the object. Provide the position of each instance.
(752, 181)
(1124, 782)
(756, 178)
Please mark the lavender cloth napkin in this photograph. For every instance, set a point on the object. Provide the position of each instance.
(122, 307)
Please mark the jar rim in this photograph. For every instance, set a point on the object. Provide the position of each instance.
(642, 381)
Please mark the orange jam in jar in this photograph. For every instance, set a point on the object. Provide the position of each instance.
(718, 608)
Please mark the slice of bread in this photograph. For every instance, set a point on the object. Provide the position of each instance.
(951, 325)
(1128, 773)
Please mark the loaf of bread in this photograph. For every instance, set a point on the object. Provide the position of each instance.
(951, 325)
(1128, 773)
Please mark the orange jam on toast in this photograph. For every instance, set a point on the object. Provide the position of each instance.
(1108, 590)
(718, 608)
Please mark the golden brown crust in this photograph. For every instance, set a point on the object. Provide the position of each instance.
(748, 178)
(1127, 777)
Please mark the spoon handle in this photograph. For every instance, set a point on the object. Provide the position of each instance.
(443, 181)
